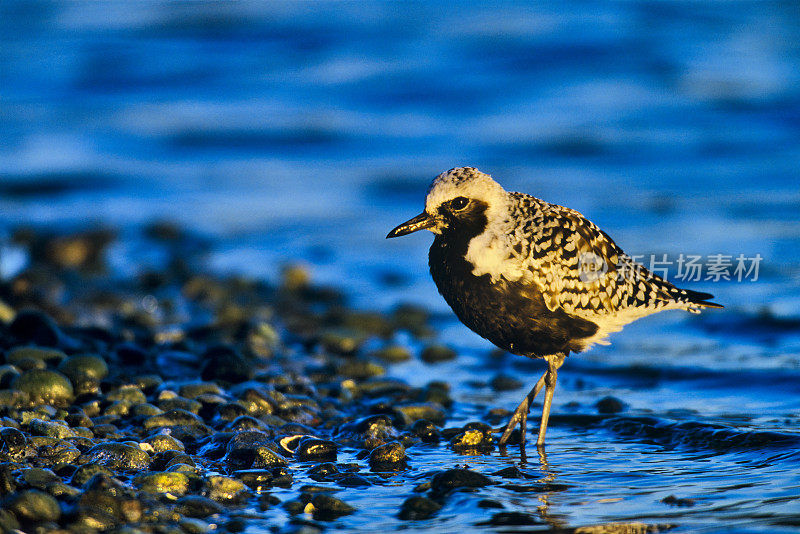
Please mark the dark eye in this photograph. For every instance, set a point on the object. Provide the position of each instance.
(459, 203)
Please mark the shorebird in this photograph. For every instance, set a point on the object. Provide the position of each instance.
(534, 278)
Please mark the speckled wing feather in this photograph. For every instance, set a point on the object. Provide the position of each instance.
(580, 269)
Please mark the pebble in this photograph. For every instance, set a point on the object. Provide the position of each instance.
(445, 481)
(418, 507)
(328, 508)
(388, 457)
(33, 506)
(226, 365)
(45, 387)
(609, 405)
(437, 353)
(163, 482)
(503, 382)
(310, 448)
(198, 506)
(31, 326)
(119, 456)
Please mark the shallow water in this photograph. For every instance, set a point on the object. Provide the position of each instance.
(296, 133)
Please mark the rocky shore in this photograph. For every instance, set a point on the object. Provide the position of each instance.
(177, 401)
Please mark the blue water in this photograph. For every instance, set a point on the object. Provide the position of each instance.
(304, 131)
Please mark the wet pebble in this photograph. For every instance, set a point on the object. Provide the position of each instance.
(39, 427)
(33, 506)
(328, 508)
(198, 506)
(227, 365)
(391, 456)
(410, 413)
(426, 431)
(310, 448)
(225, 489)
(119, 456)
(437, 353)
(31, 326)
(45, 387)
(418, 507)
(12, 440)
(511, 519)
(610, 405)
(392, 354)
(452, 479)
(163, 482)
(503, 382)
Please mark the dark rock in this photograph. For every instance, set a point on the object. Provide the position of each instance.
(437, 353)
(45, 387)
(327, 508)
(119, 456)
(410, 413)
(39, 427)
(504, 383)
(610, 405)
(84, 368)
(452, 479)
(418, 507)
(672, 500)
(489, 503)
(12, 440)
(426, 431)
(106, 502)
(225, 364)
(198, 506)
(310, 448)
(173, 418)
(32, 326)
(163, 482)
(129, 354)
(225, 489)
(353, 481)
(39, 478)
(20, 354)
(252, 449)
(511, 519)
(7, 483)
(391, 456)
(85, 472)
(33, 506)
(392, 354)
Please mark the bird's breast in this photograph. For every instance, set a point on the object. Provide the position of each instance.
(509, 313)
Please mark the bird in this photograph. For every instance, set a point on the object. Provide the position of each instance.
(534, 278)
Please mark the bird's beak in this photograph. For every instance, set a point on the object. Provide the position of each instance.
(420, 222)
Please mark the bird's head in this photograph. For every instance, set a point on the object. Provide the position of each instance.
(461, 199)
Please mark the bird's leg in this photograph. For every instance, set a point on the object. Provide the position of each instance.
(550, 378)
(521, 413)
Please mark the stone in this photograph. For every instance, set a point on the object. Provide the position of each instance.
(45, 387)
(418, 507)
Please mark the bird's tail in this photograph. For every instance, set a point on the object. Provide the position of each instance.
(698, 299)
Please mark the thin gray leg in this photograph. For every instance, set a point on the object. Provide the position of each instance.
(521, 413)
(550, 378)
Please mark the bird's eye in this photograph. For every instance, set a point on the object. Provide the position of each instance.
(459, 203)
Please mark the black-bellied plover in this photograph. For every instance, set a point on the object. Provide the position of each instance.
(534, 278)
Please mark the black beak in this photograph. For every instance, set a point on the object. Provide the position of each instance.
(420, 222)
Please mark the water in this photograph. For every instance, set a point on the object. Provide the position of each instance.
(304, 131)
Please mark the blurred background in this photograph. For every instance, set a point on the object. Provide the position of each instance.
(306, 130)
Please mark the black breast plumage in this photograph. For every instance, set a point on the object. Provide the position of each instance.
(511, 315)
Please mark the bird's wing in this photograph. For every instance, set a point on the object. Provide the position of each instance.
(580, 269)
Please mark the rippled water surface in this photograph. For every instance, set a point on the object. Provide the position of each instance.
(304, 131)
